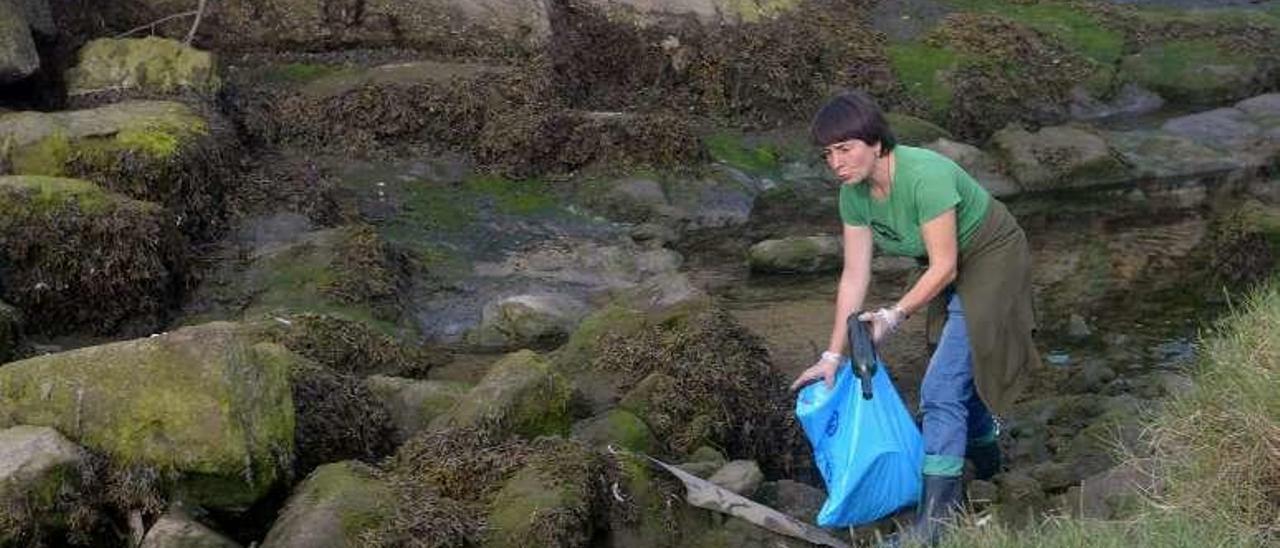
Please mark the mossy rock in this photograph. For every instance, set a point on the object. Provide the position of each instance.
(151, 66)
(333, 507)
(76, 257)
(206, 403)
(704, 378)
(39, 471)
(913, 131)
(549, 502)
(616, 428)
(1058, 157)
(1244, 245)
(331, 278)
(808, 255)
(1194, 72)
(158, 151)
(413, 404)
(520, 394)
(349, 346)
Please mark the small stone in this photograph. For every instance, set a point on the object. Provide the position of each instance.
(740, 476)
(1078, 328)
(177, 529)
(795, 499)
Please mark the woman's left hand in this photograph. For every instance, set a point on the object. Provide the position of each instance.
(883, 322)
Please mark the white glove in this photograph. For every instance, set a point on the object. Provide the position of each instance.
(883, 321)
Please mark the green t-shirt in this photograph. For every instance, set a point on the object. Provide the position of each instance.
(925, 184)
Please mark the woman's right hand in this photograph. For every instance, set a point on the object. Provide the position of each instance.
(824, 369)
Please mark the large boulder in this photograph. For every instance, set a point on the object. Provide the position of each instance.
(1058, 157)
(207, 403)
(520, 394)
(335, 505)
(76, 257)
(797, 254)
(18, 56)
(38, 466)
(157, 151)
(1166, 156)
(528, 321)
(177, 529)
(1231, 131)
(149, 66)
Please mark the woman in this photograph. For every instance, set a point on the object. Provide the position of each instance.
(917, 203)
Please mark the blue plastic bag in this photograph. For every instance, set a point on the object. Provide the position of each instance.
(869, 452)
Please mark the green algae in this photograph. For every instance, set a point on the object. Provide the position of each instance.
(922, 68)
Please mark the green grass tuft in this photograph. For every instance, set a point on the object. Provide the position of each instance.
(920, 68)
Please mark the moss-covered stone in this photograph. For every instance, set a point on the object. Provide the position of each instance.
(76, 257)
(336, 504)
(413, 404)
(549, 502)
(150, 65)
(39, 470)
(616, 428)
(1244, 245)
(809, 254)
(157, 151)
(1197, 72)
(206, 402)
(331, 278)
(913, 131)
(1058, 157)
(520, 394)
(695, 377)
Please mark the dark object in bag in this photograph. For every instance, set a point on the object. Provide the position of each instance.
(862, 352)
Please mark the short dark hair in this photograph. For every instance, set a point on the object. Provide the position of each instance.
(851, 115)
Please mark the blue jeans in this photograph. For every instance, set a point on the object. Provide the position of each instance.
(954, 415)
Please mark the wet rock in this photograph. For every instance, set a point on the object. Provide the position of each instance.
(979, 164)
(589, 264)
(331, 508)
(520, 394)
(18, 55)
(1090, 377)
(528, 321)
(1222, 128)
(616, 428)
(205, 400)
(913, 131)
(636, 199)
(810, 254)
(37, 466)
(795, 499)
(1266, 107)
(666, 290)
(347, 272)
(150, 66)
(1131, 100)
(654, 234)
(1163, 155)
(413, 404)
(703, 462)
(1057, 157)
(177, 529)
(717, 202)
(82, 258)
(740, 476)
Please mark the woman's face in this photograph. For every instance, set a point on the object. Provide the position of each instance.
(852, 160)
